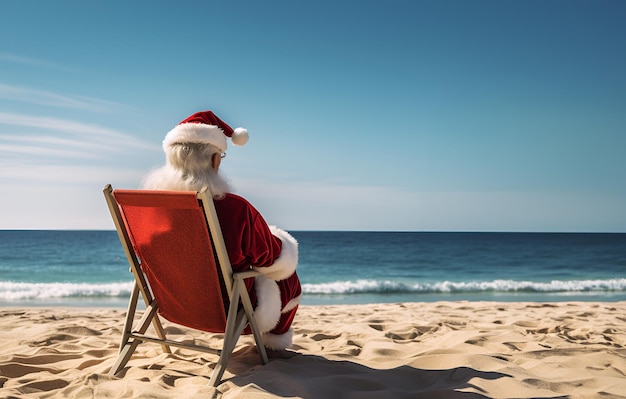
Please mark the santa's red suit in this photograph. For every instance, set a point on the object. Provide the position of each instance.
(271, 251)
(250, 242)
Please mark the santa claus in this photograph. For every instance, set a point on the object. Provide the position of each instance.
(194, 150)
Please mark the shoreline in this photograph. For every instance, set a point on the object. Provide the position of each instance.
(413, 349)
(121, 302)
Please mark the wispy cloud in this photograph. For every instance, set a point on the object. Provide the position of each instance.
(18, 59)
(91, 134)
(46, 98)
(31, 150)
(69, 174)
(54, 146)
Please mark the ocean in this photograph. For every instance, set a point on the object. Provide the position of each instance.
(88, 268)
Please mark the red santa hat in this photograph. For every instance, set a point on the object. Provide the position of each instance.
(205, 127)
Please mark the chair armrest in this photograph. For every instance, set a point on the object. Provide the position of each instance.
(246, 274)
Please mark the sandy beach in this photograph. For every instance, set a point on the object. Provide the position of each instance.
(408, 350)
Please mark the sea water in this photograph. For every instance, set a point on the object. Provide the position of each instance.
(88, 268)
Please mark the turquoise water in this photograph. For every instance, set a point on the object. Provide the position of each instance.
(88, 268)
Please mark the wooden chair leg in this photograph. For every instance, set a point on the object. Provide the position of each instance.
(249, 311)
(131, 343)
(130, 316)
(235, 323)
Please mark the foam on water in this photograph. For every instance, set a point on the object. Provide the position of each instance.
(12, 291)
(505, 286)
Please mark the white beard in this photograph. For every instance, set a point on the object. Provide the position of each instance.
(168, 178)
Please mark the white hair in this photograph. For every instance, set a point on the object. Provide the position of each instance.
(188, 167)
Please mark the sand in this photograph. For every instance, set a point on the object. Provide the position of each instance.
(409, 350)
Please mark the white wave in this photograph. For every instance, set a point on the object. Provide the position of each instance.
(24, 291)
(14, 291)
(381, 287)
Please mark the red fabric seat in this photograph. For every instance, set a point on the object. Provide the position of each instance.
(170, 236)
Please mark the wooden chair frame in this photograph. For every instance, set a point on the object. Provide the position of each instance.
(240, 311)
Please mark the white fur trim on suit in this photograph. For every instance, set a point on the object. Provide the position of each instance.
(278, 342)
(196, 133)
(267, 312)
(287, 262)
(291, 304)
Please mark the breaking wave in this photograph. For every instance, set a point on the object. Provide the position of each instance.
(16, 291)
(450, 287)
(13, 291)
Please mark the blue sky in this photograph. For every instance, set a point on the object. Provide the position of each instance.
(363, 115)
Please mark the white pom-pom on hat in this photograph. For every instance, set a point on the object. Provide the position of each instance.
(240, 136)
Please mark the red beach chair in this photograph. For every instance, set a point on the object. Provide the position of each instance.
(177, 255)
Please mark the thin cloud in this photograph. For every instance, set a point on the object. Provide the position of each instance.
(18, 59)
(46, 98)
(45, 142)
(44, 151)
(70, 174)
(97, 134)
